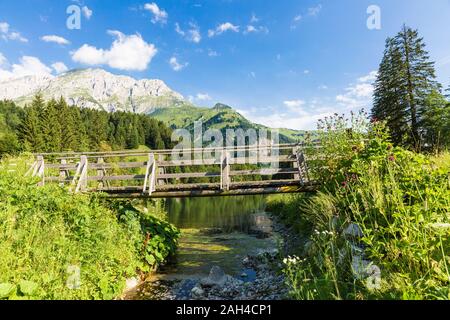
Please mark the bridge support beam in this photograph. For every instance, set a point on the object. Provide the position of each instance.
(39, 170)
(83, 175)
(302, 167)
(225, 172)
(150, 175)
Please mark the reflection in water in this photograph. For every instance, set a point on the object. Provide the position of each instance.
(227, 213)
(217, 231)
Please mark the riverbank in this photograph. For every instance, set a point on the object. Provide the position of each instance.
(378, 229)
(225, 263)
(59, 246)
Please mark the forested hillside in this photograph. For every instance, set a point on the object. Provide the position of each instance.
(55, 126)
(220, 117)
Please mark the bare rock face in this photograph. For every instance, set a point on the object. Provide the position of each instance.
(95, 89)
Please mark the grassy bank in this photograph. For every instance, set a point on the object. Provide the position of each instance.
(55, 245)
(379, 228)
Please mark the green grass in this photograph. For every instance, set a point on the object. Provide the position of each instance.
(56, 245)
(401, 202)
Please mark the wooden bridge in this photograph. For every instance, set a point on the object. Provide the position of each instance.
(160, 174)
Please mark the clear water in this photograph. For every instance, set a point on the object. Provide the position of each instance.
(217, 231)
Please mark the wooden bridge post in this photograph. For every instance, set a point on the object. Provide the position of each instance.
(101, 173)
(40, 170)
(225, 171)
(295, 165)
(83, 170)
(304, 168)
(63, 173)
(150, 175)
(161, 170)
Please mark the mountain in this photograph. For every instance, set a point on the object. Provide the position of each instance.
(220, 117)
(96, 89)
(101, 90)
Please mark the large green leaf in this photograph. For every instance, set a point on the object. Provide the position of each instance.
(28, 288)
(6, 290)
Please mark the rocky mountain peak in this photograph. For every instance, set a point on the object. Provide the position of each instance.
(95, 88)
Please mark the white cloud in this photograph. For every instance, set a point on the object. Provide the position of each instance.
(304, 114)
(200, 98)
(311, 12)
(6, 34)
(294, 103)
(306, 71)
(127, 52)
(303, 120)
(59, 67)
(323, 87)
(176, 66)
(224, 27)
(203, 97)
(17, 36)
(28, 66)
(4, 27)
(3, 59)
(159, 15)
(179, 30)
(87, 12)
(295, 106)
(296, 21)
(358, 95)
(55, 39)
(254, 19)
(192, 35)
(371, 77)
(314, 11)
(257, 29)
(212, 53)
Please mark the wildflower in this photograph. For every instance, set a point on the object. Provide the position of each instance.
(391, 158)
(344, 184)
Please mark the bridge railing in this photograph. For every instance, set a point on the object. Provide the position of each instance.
(157, 173)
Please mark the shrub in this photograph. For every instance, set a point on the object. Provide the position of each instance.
(56, 245)
(401, 202)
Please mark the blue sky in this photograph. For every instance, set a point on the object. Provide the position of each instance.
(281, 63)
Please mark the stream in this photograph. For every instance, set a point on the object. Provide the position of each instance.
(227, 250)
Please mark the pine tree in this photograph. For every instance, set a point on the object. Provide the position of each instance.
(51, 127)
(30, 131)
(69, 127)
(406, 79)
(437, 121)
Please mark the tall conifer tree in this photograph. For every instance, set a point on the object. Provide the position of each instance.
(405, 80)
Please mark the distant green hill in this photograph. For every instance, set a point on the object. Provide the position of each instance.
(221, 117)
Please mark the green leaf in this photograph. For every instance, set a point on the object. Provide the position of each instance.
(6, 289)
(28, 288)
